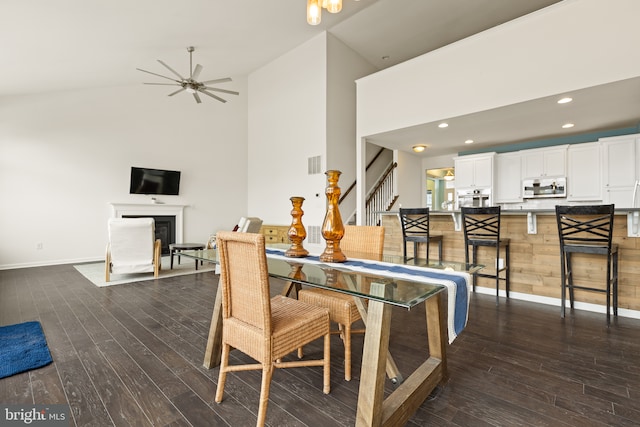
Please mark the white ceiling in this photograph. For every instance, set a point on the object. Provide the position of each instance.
(75, 44)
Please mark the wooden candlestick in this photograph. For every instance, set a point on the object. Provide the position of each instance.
(296, 232)
(332, 228)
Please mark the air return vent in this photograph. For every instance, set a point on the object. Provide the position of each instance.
(314, 234)
(314, 165)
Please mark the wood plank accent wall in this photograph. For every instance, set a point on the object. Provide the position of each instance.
(535, 258)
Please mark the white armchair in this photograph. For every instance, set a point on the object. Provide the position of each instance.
(132, 247)
(249, 225)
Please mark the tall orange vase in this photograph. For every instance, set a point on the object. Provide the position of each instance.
(332, 227)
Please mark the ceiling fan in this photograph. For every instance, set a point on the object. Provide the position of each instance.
(191, 84)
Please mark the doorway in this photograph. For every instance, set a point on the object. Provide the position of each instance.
(440, 189)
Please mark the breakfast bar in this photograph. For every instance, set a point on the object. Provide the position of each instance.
(535, 255)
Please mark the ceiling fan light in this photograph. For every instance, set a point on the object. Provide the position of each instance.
(190, 89)
(314, 12)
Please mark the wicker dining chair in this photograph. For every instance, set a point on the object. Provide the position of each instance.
(364, 239)
(264, 328)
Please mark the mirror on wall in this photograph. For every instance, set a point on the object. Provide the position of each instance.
(440, 188)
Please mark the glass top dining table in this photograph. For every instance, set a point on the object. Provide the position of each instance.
(353, 276)
(390, 287)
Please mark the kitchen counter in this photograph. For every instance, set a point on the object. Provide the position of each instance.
(508, 211)
(535, 256)
(632, 220)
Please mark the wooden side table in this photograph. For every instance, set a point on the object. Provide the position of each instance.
(176, 248)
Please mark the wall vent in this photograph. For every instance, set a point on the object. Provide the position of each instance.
(314, 234)
(314, 165)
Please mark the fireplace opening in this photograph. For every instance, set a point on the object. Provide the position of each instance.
(165, 226)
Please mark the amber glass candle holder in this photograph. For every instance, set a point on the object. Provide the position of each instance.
(296, 232)
(332, 227)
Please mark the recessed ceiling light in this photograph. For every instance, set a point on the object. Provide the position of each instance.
(419, 148)
(565, 100)
(469, 141)
(443, 125)
(567, 125)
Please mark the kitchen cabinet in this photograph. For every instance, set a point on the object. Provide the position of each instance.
(507, 186)
(620, 169)
(544, 162)
(584, 176)
(474, 171)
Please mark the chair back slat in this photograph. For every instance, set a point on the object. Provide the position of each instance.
(244, 279)
(414, 221)
(363, 238)
(590, 224)
(481, 223)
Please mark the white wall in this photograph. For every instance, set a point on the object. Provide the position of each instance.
(287, 125)
(411, 181)
(302, 105)
(64, 156)
(570, 45)
(344, 67)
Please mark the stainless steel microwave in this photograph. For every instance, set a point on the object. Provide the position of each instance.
(534, 188)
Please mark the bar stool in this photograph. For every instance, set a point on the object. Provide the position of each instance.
(482, 228)
(415, 228)
(587, 229)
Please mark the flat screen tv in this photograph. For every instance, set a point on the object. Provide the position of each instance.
(154, 181)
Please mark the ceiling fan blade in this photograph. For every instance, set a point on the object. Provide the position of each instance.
(196, 72)
(178, 91)
(163, 84)
(213, 96)
(195, 95)
(215, 89)
(226, 79)
(159, 75)
(172, 70)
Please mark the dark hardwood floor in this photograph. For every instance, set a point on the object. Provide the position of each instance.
(132, 355)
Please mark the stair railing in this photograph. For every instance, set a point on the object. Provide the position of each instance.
(382, 197)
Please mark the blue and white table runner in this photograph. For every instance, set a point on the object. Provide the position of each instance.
(457, 283)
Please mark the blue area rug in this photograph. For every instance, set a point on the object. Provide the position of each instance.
(22, 348)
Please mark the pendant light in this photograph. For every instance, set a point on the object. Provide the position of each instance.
(314, 9)
(314, 12)
(332, 6)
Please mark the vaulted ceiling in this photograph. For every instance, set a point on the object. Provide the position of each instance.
(74, 44)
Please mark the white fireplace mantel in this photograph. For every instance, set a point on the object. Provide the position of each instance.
(152, 209)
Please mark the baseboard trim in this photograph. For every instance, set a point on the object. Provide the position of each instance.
(596, 308)
(48, 263)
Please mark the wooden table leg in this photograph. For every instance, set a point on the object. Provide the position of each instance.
(437, 331)
(402, 403)
(214, 342)
(374, 360)
(392, 369)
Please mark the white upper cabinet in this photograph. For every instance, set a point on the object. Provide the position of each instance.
(541, 162)
(474, 171)
(507, 186)
(620, 170)
(584, 177)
